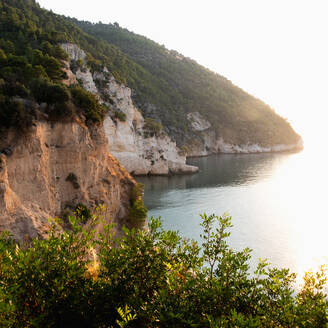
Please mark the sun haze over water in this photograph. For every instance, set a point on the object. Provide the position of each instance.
(276, 51)
(277, 203)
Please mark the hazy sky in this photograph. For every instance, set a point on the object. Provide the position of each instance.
(275, 50)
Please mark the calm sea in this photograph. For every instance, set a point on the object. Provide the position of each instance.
(278, 203)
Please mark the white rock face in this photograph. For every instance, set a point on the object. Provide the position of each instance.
(210, 142)
(84, 75)
(224, 147)
(206, 146)
(158, 155)
(74, 52)
(212, 145)
(198, 122)
(86, 78)
(140, 155)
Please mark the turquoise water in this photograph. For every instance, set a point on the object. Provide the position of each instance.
(278, 203)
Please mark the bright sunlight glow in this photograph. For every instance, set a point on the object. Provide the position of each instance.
(275, 50)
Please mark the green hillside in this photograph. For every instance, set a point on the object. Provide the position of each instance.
(184, 86)
(166, 85)
(32, 62)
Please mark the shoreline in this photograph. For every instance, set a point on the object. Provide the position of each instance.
(293, 150)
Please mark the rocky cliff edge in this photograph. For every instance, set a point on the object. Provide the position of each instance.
(53, 169)
(139, 150)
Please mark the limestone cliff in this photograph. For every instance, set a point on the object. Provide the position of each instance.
(51, 170)
(208, 142)
(128, 141)
(142, 154)
(137, 150)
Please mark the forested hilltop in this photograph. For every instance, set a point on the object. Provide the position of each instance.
(166, 85)
(179, 85)
(32, 66)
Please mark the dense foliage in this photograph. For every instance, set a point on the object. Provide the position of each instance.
(149, 279)
(32, 62)
(166, 84)
(138, 211)
(87, 101)
(178, 85)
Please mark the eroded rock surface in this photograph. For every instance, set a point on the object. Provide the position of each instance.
(74, 52)
(52, 170)
(142, 154)
(198, 123)
(139, 152)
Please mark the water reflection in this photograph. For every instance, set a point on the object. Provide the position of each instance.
(277, 203)
(232, 169)
(214, 171)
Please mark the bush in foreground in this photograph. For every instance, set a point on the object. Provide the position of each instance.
(159, 279)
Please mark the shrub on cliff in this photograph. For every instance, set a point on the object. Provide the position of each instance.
(54, 50)
(14, 113)
(52, 65)
(120, 116)
(165, 282)
(88, 103)
(45, 91)
(152, 128)
(72, 178)
(138, 211)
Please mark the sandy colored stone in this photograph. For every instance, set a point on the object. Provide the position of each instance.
(33, 185)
